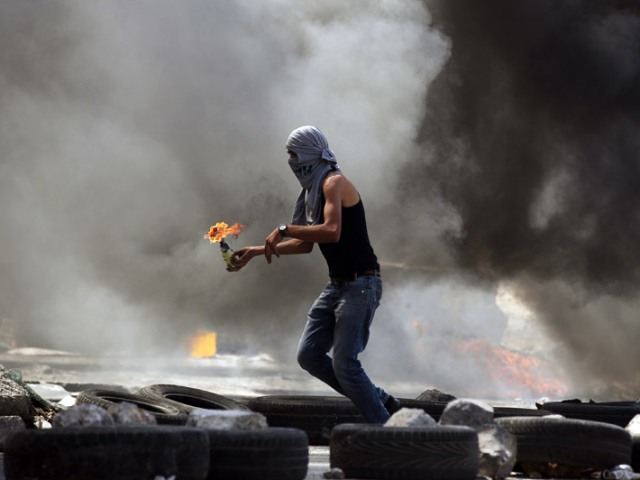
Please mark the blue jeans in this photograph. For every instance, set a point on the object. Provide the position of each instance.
(340, 319)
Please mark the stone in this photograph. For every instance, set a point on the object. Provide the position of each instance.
(83, 415)
(411, 417)
(226, 419)
(633, 427)
(8, 425)
(14, 399)
(334, 473)
(126, 413)
(498, 448)
(436, 396)
(472, 413)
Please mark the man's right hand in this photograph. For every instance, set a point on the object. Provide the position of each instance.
(241, 257)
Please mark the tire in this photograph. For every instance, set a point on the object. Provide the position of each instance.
(165, 413)
(186, 398)
(315, 415)
(107, 453)
(269, 454)
(615, 413)
(402, 453)
(570, 442)
(635, 452)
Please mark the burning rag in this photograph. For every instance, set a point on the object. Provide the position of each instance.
(314, 162)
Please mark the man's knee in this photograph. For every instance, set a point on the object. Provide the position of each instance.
(346, 367)
(307, 358)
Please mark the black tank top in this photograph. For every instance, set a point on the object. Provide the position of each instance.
(353, 252)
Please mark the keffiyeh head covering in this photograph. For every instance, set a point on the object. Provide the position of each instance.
(315, 160)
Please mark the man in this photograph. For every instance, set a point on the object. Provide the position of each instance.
(329, 212)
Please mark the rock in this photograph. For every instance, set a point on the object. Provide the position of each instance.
(411, 417)
(472, 413)
(633, 427)
(435, 396)
(126, 413)
(498, 448)
(226, 419)
(8, 425)
(83, 415)
(335, 473)
(14, 399)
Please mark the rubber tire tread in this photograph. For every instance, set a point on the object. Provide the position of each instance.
(316, 415)
(615, 413)
(107, 453)
(403, 453)
(574, 442)
(269, 454)
(164, 412)
(187, 398)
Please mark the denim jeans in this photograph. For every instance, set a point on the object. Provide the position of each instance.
(340, 319)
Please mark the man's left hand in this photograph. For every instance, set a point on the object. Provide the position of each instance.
(271, 245)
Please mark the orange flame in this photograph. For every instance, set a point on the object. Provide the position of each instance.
(521, 374)
(203, 345)
(220, 230)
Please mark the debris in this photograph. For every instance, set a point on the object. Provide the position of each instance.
(619, 472)
(335, 473)
(633, 427)
(227, 419)
(498, 447)
(436, 396)
(411, 417)
(8, 425)
(84, 415)
(126, 413)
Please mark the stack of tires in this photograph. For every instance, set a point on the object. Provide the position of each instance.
(167, 449)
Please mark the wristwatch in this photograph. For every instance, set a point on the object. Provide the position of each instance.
(283, 230)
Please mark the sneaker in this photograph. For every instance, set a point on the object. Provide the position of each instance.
(392, 405)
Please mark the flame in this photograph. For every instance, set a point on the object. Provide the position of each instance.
(520, 374)
(203, 345)
(220, 230)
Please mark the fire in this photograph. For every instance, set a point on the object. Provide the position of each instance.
(203, 345)
(220, 230)
(520, 374)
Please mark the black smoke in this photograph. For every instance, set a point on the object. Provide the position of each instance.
(532, 138)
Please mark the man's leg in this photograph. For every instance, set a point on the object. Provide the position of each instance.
(317, 340)
(354, 313)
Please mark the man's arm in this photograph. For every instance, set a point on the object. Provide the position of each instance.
(243, 255)
(325, 232)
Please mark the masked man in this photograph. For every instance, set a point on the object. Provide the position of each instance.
(329, 212)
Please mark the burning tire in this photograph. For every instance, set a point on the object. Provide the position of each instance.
(102, 453)
(615, 413)
(376, 452)
(316, 415)
(186, 398)
(569, 442)
(164, 412)
(269, 454)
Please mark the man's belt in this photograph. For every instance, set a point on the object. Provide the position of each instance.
(354, 276)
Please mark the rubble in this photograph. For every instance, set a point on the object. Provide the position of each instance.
(8, 425)
(633, 427)
(14, 398)
(498, 448)
(125, 413)
(85, 415)
(227, 419)
(436, 396)
(411, 417)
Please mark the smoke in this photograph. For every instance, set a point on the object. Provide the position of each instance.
(495, 145)
(531, 140)
(129, 128)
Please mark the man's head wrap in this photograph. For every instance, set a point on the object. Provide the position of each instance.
(314, 161)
